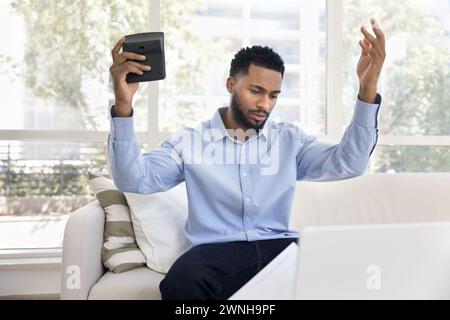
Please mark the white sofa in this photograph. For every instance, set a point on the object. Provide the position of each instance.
(370, 199)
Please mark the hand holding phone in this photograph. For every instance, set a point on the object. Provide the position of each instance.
(151, 45)
(129, 68)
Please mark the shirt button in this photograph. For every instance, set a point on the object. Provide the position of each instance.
(244, 174)
(248, 199)
(247, 218)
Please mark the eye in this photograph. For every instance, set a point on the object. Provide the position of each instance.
(254, 90)
(274, 97)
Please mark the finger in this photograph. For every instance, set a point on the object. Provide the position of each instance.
(127, 68)
(366, 48)
(378, 32)
(369, 37)
(125, 55)
(373, 41)
(116, 49)
(130, 65)
(367, 44)
(140, 66)
(374, 24)
(133, 56)
(380, 37)
(364, 53)
(381, 52)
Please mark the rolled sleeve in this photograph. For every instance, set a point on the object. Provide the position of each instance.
(113, 112)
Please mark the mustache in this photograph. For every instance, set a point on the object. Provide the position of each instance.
(261, 112)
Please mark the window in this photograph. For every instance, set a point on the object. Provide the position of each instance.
(56, 92)
(41, 183)
(414, 83)
(56, 97)
(198, 58)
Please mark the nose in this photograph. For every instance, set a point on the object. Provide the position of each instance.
(264, 103)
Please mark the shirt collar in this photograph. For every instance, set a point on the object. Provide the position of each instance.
(220, 131)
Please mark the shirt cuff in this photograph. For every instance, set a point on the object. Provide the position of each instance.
(113, 112)
(366, 114)
(122, 128)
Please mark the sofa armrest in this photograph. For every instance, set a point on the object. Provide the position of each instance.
(81, 262)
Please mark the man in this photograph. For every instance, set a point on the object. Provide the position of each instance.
(239, 210)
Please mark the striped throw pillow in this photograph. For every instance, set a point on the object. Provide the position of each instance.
(120, 251)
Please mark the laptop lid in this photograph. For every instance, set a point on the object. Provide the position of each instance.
(397, 261)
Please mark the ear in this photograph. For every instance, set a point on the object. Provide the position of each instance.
(231, 82)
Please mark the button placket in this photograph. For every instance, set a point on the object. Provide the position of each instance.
(245, 187)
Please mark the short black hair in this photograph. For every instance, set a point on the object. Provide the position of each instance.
(259, 56)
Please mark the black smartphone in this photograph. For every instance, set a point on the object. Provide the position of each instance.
(151, 45)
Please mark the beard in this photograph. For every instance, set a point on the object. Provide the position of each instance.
(240, 118)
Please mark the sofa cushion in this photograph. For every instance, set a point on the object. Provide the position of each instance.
(120, 251)
(158, 222)
(136, 284)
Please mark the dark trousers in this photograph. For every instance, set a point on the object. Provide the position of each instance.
(217, 270)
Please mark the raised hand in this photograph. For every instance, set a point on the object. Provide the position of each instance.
(370, 64)
(124, 91)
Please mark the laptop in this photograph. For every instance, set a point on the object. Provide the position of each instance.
(398, 261)
(391, 261)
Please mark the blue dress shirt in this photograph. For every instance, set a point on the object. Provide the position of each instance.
(240, 191)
